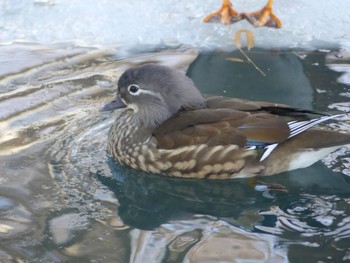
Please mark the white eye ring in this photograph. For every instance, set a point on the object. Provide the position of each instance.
(134, 89)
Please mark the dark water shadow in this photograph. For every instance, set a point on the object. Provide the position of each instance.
(147, 201)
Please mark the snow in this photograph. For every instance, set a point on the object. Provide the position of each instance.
(306, 23)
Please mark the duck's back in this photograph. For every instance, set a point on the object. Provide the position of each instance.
(234, 133)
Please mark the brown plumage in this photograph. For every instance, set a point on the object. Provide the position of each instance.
(164, 125)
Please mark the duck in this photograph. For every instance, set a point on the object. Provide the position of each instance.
(164, 125)
(227, 15)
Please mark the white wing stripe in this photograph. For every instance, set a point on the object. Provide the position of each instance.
(304, 125)
(297, 127)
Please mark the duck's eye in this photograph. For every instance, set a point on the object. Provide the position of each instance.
(133, 89)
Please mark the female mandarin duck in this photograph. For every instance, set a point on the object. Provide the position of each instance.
(227, 15)
(164, 125)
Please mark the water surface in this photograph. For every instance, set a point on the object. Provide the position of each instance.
(62, 199)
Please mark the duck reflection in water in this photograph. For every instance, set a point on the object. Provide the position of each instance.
(146, 201)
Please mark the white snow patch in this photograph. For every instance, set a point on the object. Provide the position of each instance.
(306, 23)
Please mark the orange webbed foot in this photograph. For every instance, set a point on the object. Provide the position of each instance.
(226, 14)
(264, 17)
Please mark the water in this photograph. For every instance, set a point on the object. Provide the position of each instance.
(62, 199)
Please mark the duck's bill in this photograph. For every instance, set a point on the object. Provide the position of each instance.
(117, 103)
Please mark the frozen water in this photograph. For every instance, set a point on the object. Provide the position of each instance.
(306, 23)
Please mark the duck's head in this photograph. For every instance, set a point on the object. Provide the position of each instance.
(154, 93)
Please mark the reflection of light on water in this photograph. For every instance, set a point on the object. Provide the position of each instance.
(312, 216)
(340, 62)
(5, 228)
(204, 239)
(344, 107)
(338, 160)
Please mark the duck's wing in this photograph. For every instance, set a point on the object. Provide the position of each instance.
(215, 102)
(298, 120)
(228, 121)
(221, 126)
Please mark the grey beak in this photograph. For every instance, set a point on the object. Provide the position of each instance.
(117, 103)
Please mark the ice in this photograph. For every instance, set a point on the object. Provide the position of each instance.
(306, 23)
